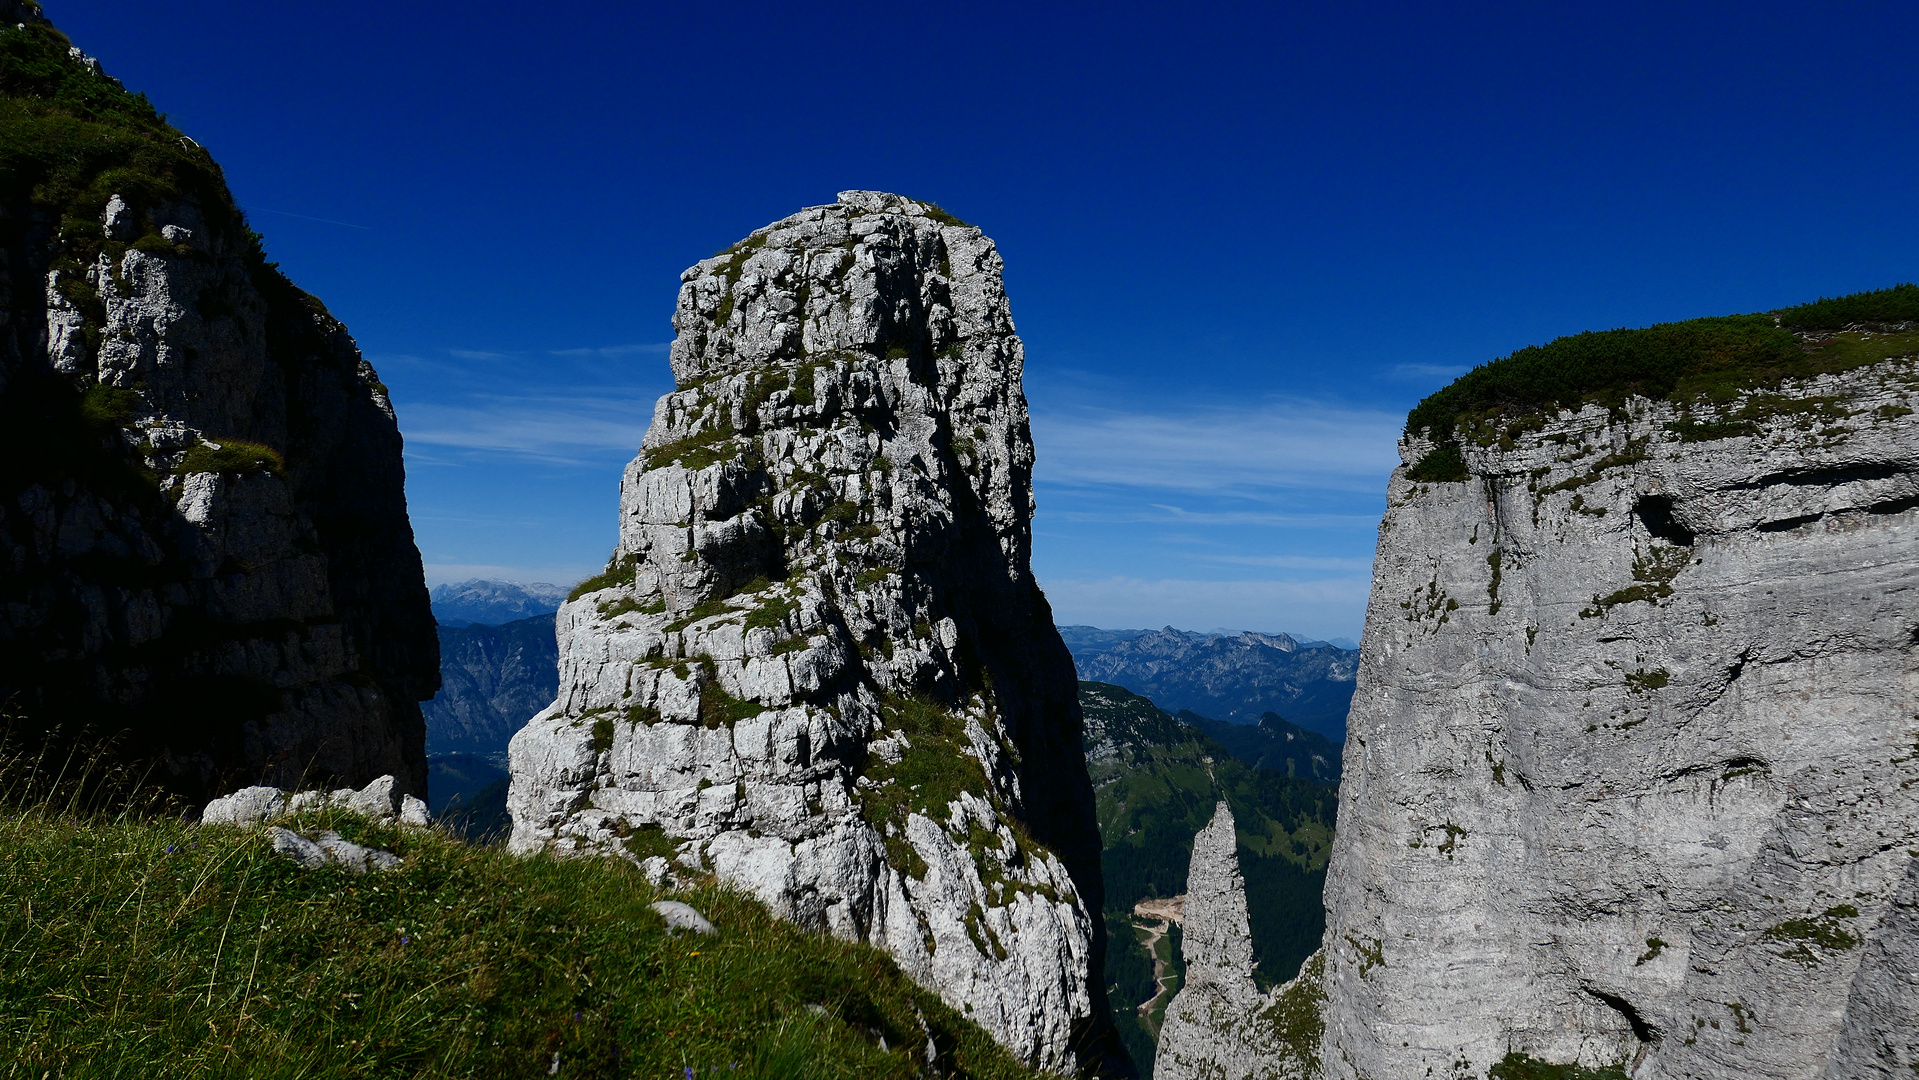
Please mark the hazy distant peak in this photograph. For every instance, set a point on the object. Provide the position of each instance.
(494, 602)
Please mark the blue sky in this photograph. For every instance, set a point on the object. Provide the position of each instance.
(1241, 240)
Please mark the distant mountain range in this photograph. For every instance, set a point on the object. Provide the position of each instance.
(493, 602)
(1232, 677)
(492, 680)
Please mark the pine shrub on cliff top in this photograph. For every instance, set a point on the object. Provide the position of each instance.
(137, 945)
(1711, 359)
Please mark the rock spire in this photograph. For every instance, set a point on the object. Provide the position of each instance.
(818, 665)
(1219, 1025)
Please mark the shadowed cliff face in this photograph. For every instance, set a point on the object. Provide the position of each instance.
(818, 664)
(202, 520)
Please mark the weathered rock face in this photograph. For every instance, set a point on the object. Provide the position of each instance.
(1633, 767)
(818, 664)
(202, 523)
(1219, 1025)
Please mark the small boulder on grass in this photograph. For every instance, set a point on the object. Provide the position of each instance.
(378, 801)
(330, 849)
(680, 917)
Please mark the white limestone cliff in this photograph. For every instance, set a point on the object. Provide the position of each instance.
(1632, 779)
(818, 665)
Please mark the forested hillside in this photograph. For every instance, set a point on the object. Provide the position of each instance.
(1157, 781)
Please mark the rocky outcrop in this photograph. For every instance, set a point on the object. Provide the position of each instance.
(202, 524)
(1219, 1026)
(1633, 772)
(818, 665)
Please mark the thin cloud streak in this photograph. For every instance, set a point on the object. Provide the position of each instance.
(553, 428)
(454, 573)
(1427, 371)
(1217, 451)
(615, 351)
(1293, 562)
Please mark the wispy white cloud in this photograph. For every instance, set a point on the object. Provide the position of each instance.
(615, 351)
(479, 354)
(554, 428)
(1333, 607)
(443, 573)
(1294, 562)
(1219, 450)
(1426, 371)
(1156, 514)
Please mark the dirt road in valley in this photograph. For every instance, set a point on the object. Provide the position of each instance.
(1157, 917)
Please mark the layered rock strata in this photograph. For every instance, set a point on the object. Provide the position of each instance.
(818, 665)
(1632, 778)
(203, 531)
(1219, 1026)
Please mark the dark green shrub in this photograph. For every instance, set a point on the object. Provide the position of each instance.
(1442, 464)
(1897, 304)
(1606, 366)
(1517, 1066)
(1706, 360)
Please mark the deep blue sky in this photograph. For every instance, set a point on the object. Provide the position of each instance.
(1240, 240)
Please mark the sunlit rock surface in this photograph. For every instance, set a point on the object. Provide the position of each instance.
(1633, 769)
(818, 664)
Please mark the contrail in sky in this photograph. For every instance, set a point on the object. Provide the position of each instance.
(308, 217)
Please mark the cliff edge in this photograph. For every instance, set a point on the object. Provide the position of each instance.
(202, 520)
(1632, 781)
(818, 665)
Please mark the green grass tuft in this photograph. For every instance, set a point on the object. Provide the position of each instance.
(233, 457)
(933, 211)
(619, 571)
(147, 948)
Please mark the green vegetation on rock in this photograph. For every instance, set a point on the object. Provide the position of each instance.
(150, 947)
(1517, 1066)
(1698, 361)
(233, 457)
(75, 138)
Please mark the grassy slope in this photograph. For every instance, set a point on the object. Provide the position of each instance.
(1711, 361)
(151, 947)
(1155, 797)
